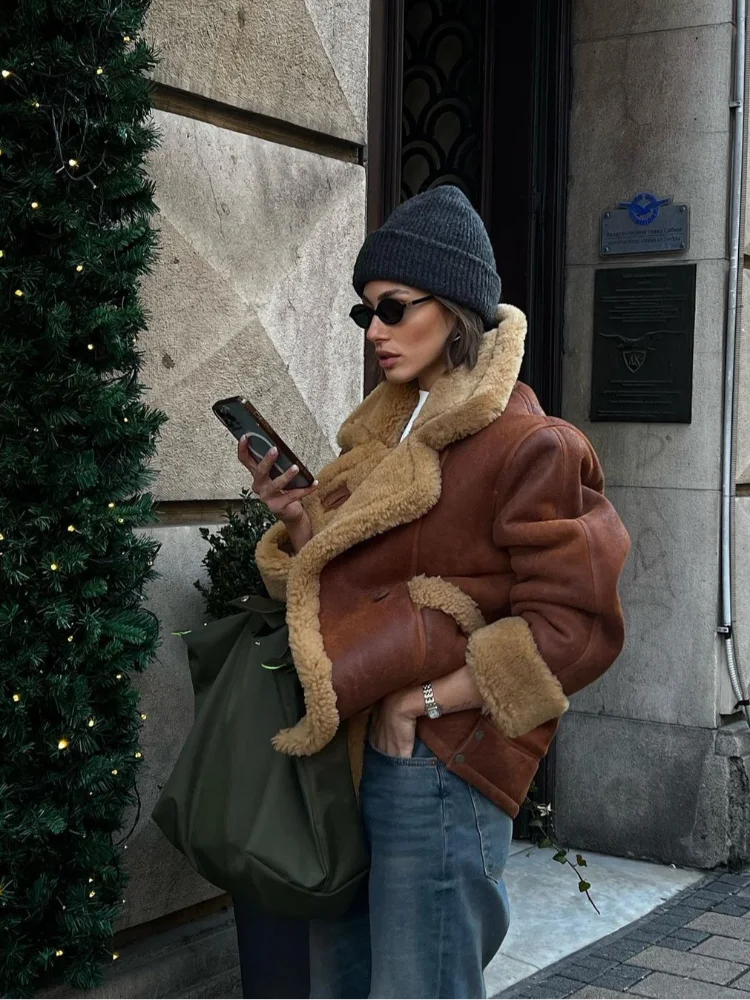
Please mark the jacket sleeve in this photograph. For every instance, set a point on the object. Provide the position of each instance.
(274, 553)
(567, 548)
(273, 557)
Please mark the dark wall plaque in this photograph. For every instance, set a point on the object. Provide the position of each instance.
(644, 320)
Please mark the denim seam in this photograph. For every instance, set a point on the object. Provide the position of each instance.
(443, 799)
(485, 844)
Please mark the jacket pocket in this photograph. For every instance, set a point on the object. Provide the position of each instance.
(335, 498)
(376, 646)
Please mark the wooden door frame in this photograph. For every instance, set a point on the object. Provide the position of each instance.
(552, 93)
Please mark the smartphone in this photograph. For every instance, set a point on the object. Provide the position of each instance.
(240, 417)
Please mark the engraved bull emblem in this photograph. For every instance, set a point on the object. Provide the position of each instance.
(633, 350)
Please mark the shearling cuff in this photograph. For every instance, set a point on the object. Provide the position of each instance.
(441, 595)
(519, 690)
(273, 557)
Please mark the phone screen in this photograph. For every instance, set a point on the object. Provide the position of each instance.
(240, 421)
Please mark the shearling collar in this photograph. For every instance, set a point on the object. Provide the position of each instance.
(461, 402)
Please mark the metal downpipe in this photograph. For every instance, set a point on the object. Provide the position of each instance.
(726, 625)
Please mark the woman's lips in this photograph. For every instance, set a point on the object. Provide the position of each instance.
(387, 360)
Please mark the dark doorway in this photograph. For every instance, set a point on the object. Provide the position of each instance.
(476, 93)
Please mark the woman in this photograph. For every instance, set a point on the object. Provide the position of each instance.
(450, 580)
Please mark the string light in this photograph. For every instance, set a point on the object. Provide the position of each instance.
(54, 567)
(92, 723)
(92, 893)
(36, 104)
(79, 268)
(63, 744)
(19, 293)
(72, 527)
(35, 205)
(99, 70)
(16, 698)
(59, 953)
(2, 537)
(6, 74)
(90, 347)
(144, 716)
(124, 420)
(126, 39)
(118, 677)
(2, 253)
(111, 505)
(70, 638)
(72, 163)
(121, 520)
(115, 955)
(90, 881)
(138, 755)
(114, 771)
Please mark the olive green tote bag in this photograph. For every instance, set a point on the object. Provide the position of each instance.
(283, 832)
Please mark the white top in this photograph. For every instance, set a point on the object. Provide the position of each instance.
(423, 394)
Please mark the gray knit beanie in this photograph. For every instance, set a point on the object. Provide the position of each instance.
(435, 241)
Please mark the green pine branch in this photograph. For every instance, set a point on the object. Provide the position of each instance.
(230, 559)
(76, 440)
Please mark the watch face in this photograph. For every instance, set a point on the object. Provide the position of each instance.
(433, 713)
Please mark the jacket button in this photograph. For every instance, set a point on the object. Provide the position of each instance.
(459, 758)
(479, 734)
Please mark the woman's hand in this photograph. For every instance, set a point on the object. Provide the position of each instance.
(395, 719)
(395, 722)
(283, 503)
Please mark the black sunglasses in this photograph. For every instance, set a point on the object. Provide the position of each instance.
(389, 311)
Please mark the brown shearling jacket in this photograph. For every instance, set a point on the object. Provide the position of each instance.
(483, 538)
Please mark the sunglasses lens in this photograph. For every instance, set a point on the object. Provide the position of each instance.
(390, 311)
(362, 315)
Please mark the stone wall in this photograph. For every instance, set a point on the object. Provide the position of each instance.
(639, 768)
(250, 295)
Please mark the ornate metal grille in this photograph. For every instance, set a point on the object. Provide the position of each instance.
(442, 103)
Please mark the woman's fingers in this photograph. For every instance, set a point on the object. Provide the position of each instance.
(271, 491)
(263, 485)
(243, 453)
(281, 482)
(266, 463)
(294, 496)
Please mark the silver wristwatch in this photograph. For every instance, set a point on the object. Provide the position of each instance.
(432, 709)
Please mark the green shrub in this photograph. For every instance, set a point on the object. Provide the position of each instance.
(230, 560)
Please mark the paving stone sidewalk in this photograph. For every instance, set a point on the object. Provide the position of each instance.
(696, 945)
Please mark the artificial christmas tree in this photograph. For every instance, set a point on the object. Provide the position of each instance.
(75, 441)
